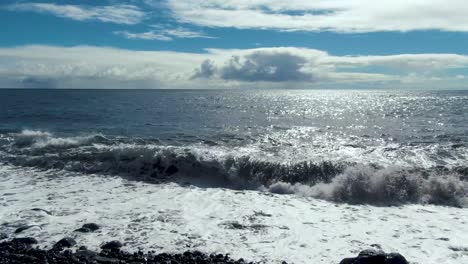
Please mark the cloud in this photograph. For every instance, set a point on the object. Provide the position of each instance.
(309, 65)
(325, 15)
(37, 82)
(100, 67)
(94, 67)
(266, 66)
(207, 70)
(149, 35)
(118, 14)
(163, 34)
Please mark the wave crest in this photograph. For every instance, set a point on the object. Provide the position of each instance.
(385, 186)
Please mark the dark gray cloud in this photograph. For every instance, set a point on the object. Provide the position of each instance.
(258, 66)
(37, 82)
(207, 69)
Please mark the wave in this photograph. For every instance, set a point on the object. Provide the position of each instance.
(40, 140)
(208, 166)
(384, 186)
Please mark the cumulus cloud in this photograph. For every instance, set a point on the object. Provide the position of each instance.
(266, 66)
(325, 15)
(309, 65)
(163, 34)
(119, 14)
(99, 67)
(207, 70)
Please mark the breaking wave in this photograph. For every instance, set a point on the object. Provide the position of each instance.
(384, 186)
(211, 167)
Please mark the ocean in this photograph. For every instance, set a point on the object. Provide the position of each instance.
(305, 176)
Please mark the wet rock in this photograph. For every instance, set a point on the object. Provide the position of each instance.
(85, 253)
(65, 243)
(24, 240)
(105, 260)
(41, 210)
(14, 252)
(112, 245)
(3, 236)
(372, 256)
(22, 228)
(88, 228)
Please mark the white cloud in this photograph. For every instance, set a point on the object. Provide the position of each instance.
(94, 67)
(300, 64)
(164, 34)
(325, 15)
(149, 35)
(119, 14)
(181, 32)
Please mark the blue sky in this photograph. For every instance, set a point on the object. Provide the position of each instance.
(242, 43)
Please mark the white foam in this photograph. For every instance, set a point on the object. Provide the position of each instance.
(37, 139)
(171, 218)
(387, 186)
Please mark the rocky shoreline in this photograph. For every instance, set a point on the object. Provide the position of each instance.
(22, 250)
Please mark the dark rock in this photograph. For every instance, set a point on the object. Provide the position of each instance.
(395, 258)
(87, 228)
(83, 230)
(65, 243)
(105, 260)
(371, 256)
(172, 170)
(24, 240)
(85, 253)
(347, 261)
(41, 210)
(16, 251)
(91, 226)
(112, 245)
(22, 228)
(3, 236)
(24, 258)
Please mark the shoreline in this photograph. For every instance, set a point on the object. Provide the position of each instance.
(22, 250)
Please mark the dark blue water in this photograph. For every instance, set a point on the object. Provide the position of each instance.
(249, 138)
(405, 116)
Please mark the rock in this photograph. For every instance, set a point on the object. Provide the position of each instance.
(371, 256)
(24, 240)
(105, 260)
(87, 228)
(65, 243)
(85, 253)
(41, 210)
(347, 261)
(15, 251)
(395, 258)
(3, 236)
(112, 245)
(22, 228)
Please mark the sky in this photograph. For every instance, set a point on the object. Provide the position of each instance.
(215, 44)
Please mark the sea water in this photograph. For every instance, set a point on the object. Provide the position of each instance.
(297, 175)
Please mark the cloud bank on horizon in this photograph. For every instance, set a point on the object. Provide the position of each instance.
(85, 66)
(178, 25)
